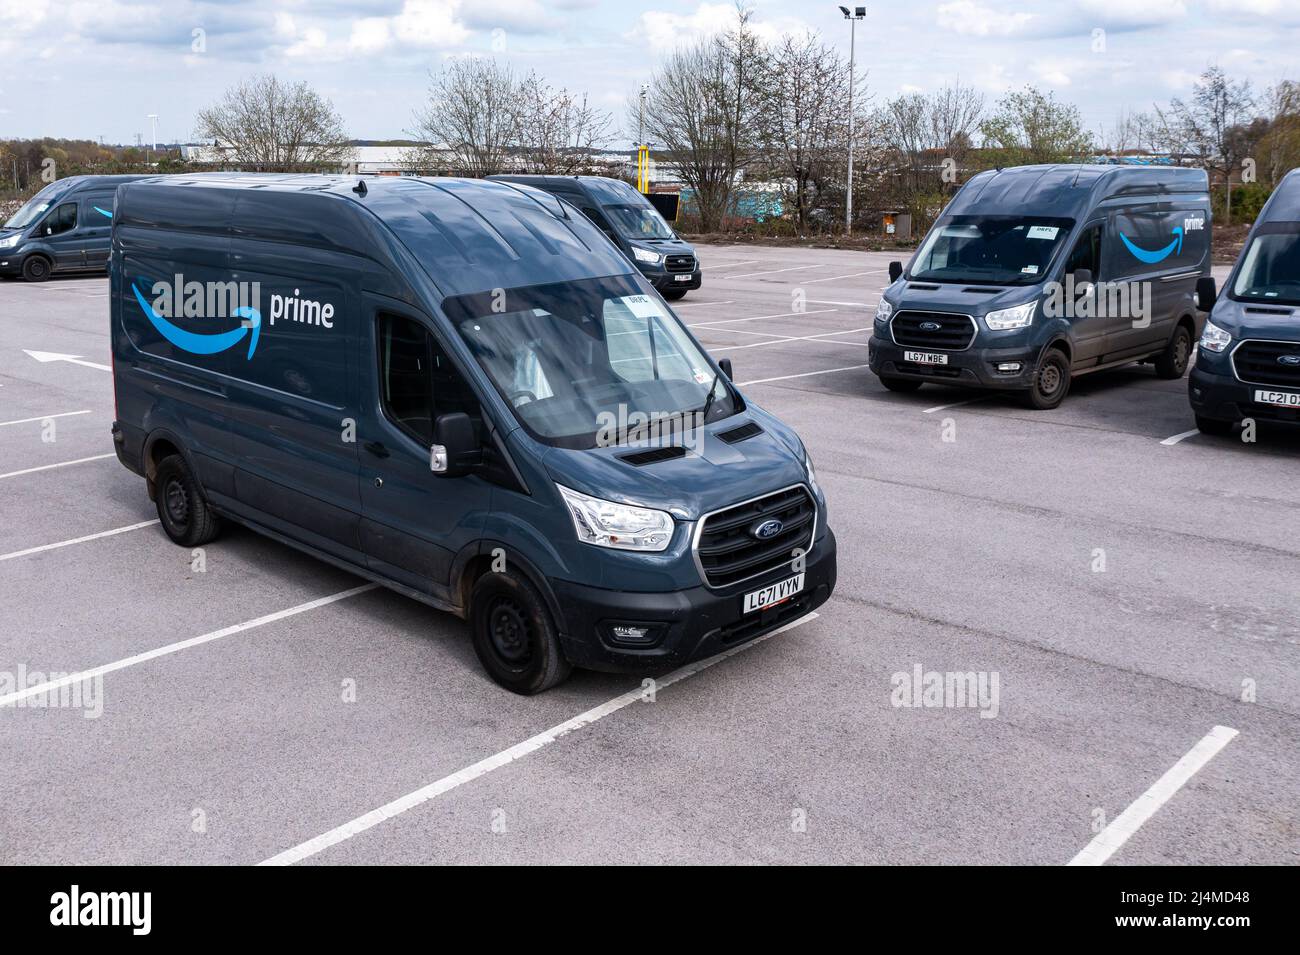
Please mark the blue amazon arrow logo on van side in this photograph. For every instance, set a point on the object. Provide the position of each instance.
(205, 344)
(103, 212)
(1151, 258)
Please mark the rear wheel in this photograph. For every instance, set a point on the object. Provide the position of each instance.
(900, 384)
(1172, 362)
(182, 508)
(514, 636)
(1051, 381)
(36, 268)
(1213, 426)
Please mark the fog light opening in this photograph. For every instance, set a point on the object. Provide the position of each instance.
(1009, 367)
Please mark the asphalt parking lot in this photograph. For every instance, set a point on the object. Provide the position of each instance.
(1130, 585)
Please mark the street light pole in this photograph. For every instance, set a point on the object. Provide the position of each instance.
(853, 17)
(153, 123)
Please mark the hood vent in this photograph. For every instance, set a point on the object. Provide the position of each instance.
(914, 287)
(736, 435)
(1258, 310)
(984, 290)
(641, 458)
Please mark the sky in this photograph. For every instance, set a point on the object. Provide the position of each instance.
(95, 69)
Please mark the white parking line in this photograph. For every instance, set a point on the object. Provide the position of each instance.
(752, 275)
(818, 339)
(61, 414)
(71, 678)
(851, 275)
(805, 374)
(823, 301)
(759, 318)
(1171, 441)
(725, 265)
(61, 464)
(701, 304)
(1109, 840)
(955, 404)
(484, 766)
(78, 540)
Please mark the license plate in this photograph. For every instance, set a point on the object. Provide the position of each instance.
(925, 358)
(1288, 399)
(681, 278)
(761, 599)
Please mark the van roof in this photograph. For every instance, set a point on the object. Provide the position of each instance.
(1070, 191)
(468, 235)
(1284, 204)
(605, 190)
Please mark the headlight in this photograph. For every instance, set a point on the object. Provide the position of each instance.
(620, 526)
(883, 312)
(1017, 317)
(646, 256)
(1214, 338)
(10, 242)
(812, 475)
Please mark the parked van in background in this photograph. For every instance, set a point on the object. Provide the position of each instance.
(632, 224)
(460, 389)
(1038, 273)
(1248, 362)
(65, 227)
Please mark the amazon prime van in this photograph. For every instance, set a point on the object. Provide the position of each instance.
(459, 389)
(632, 223)
(1248, 362)
(65, 227)
(1035, 274)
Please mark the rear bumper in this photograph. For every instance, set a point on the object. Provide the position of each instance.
(689, 624)
(976, 367)
(1225, 398)
(128, 442)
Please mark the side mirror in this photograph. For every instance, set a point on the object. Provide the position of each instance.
(1082, 281)
(455, 450)
(895, 271)
(1207, 293)
(725, 365)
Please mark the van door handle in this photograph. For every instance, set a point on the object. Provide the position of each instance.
(377, 449)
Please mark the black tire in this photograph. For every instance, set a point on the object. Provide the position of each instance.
(673, 294)
(36, 268)
(514, 635)
(1051, 381)
(1172, 362)
(1213, 426)
(183, 510)
(900, 384)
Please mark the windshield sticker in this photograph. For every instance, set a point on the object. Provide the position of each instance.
(961, 232)
(1048, 232)
(642, 306)
(1030, 270)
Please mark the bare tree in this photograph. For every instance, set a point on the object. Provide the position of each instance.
(1279, 147)
(1030, 126)
(1206, 127)
(266, 125)
(701, 109)
(472, 115)
(557, 129)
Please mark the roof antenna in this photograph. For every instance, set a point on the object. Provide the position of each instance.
(360, 187)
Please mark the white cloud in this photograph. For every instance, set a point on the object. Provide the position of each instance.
(1120, 14)
(662, 30)
(969, 18)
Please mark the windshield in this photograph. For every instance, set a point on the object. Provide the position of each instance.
(29, 213)
(639, 222)
(575, 358)
(1270, 271)
(990, 250)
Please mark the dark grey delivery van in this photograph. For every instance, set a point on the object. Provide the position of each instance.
(632, 223)
(65, 227)
(1035, 274)
(460, 389)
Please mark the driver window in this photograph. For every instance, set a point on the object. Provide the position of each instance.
(601, 222)
(62, 219)
(1087, 254)
(417, 380)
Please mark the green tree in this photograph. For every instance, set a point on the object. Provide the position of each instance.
(1029, 126)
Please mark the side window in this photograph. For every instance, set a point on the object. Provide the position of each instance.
(62, 219)
(1087, 254)
(417, 380)
(596, 216)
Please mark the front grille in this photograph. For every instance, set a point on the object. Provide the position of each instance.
(728, 553)
(1257, 363)
(679, 263)
(955, 332)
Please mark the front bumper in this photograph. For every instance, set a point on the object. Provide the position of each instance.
(976, 367)
(1226, 398)
(692, 624)
(665, 280)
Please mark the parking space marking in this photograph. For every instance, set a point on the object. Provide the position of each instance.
(61, 464)
(759, 318)
(1109, 840)
(804, 374)
(48, 356)
(753, 275)
(82, 676)
(459, 778)
(702, 304)
(822, 301)
(1171, 441)
(851, 275)
(78, 540)
(956, 404)
(44, 417)
(725, 265)
(817, 339)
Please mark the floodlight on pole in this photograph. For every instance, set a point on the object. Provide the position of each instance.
(858, 13)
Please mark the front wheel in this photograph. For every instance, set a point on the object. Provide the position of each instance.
(673, 294)
(1213, 426)
(514, 636)
(1172, 362)
(1051, 381)
(36, 268)
(182, 509)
